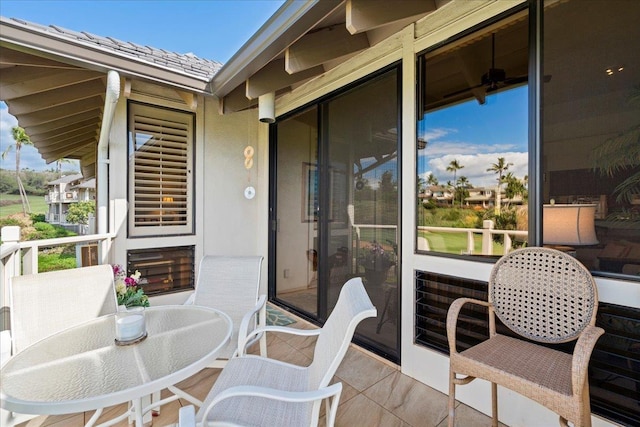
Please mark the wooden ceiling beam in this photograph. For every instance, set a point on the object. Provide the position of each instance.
(54, 143)
(48, 151)
(322, 46)
(60, 111)
(236, 100)
(38, 128)
(365, 15)
(63, 152)
(189, 99)
(11, 88)
(14, 57)
(90, 123)
(273, 78)
(58, 96)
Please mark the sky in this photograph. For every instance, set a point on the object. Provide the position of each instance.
(210, 29)
(496, 129)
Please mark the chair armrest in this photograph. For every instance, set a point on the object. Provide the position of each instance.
(274, 394)
(187, 416)
(452, 318)
(582, 355)
(190, 300)
(284, 329)
(5, 346)
(245, 337)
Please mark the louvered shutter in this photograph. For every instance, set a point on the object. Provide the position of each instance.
(160, 181)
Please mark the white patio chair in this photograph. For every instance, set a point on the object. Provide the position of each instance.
(231, 284)
(255, 390)
(46, 303)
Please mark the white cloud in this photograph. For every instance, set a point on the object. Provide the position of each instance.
(29, 156)
(475, 166)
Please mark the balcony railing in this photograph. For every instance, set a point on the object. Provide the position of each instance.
(18, 258)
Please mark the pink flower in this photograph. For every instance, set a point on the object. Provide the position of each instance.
(130, 281)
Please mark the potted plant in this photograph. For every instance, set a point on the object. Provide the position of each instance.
(128, 291)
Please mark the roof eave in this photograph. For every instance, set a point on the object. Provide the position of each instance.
(288, 24)
(31, 40)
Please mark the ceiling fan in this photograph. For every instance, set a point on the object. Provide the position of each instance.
(493, 79)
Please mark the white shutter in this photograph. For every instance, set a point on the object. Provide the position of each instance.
(160, 181)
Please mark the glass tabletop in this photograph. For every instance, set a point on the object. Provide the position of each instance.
(82, 368)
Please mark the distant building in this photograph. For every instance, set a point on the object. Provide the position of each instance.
(65, 191)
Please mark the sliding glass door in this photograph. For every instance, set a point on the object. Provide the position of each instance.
(335, 211)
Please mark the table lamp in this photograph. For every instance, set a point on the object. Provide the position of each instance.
(566, 226)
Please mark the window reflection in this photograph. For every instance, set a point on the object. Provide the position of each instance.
(591, 124)
(472, 159)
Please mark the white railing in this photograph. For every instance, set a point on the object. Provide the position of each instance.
(487, 233)
(17, 258)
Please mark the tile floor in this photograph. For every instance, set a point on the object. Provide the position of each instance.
(374, 392)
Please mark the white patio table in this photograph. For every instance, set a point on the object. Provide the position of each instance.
(82, 369)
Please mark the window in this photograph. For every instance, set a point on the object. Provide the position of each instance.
(160, 165)
(163, 270)
(472, 150)
(590, 129)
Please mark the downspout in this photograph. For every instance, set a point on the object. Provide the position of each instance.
(102, 174)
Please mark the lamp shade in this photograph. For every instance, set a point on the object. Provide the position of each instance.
(267, 107)
(569, 225)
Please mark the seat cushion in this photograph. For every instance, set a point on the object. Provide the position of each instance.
(502, 355)
(258, 411)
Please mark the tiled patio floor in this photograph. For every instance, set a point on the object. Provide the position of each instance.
(374, 392)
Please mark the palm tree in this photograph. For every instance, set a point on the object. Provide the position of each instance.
(21, 138)
(432, 180)
(454, 166)
(500, 168)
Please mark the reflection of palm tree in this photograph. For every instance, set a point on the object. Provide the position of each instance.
(454, 166)
(515, 187)
(20, 138)
(622, 152)
(463, 185)
(500, 168)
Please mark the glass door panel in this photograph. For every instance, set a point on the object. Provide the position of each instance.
(336, 209)
(362, 142)
(297, 207)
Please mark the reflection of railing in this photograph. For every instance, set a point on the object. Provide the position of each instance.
(487, 234)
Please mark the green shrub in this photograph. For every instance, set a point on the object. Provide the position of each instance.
(38, 217)
(4, 222)
(44, 230)
(56, 261)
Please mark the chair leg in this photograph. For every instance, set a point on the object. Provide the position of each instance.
(586, 406)
(155, 397)
(494, 404)
(452, 399)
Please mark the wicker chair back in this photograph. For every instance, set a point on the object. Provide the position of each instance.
(543, 294)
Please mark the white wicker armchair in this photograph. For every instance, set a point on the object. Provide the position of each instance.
(254, 390)
(544, 296)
